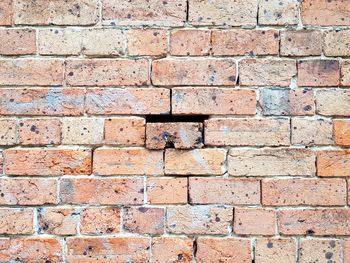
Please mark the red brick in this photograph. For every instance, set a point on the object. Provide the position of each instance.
(172, 249)
(342, 132)
(275, 250)
(279, 13)
(17, 41)
(346, 250)
(205, 72)
(6, 12)
(167, 190)
(301, 43)
(333, 102)
(285, 192)
(190, 42)
(8, 131)
(318, 250)
(99, 221)
(95, 191)
(147, 42)
(16, 221)
(58, 221)
(345, 73)
(333, 163)
(336, 43)
(230, 191)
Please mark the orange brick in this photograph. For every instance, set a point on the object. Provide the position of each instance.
(342, 132)
(333, 102)
(301, 43)
(16, 221)
(58, 221)
(318, 250)
(147, 42)
(8, 131)
(284, 192)
(6, 12)
(100, 221)
(336, 43)
(275, 250)
(190, 42)
(167, 190)
(345, 73)
(255, 221)
(333, 163)
(95, 191)
(172, 249)
(17, 41)
(280, 13)
(127, 161)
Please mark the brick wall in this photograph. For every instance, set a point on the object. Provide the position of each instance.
(174, 131)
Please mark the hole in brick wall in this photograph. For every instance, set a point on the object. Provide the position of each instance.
(176, 118)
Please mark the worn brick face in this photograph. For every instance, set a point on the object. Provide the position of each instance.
(320, 249)
(6, 12)
(17, 41)
(301, 43)
(167, 190)
(270, 250)
(342, 132)
(170, 249)
(333, 163)
(99, 221)
(275, 12)
(190, 42)
(16, 221)
(58, 221)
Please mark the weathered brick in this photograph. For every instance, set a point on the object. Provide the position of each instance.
(181, 135)
(333, 163)
(128, 101)
(195, 162)
(16, 221)
(172, 249)
(345, 73)
(342, 132)
(301, 43)
(318, 250)
(214, 220)
(99, 221)
(125, 131)
(276, 12)
(312, 131)
(237, 42)
(43, 12)
(246, 221)
(325, 13)
(275, 250)
(42, 131)
(336, 43)
(271, 162)
(58, 221)
(167, 190)
(287, 102)
(318, 222)
(47, 162)
(127, 161)
(243, 132)
(284, 192)
(316, 73)
(144, 220)
(266, 72)
(41, 101)
(346, 250)
(33, 72)
(112, 249)
(333, 102)
(1, 162)
(17, 41)
(205, 72)
(210, 100)
(109, 191)
(8, 131)
(190, 42)
(147, 42)
(225, 249)
(230, 191)
(223, 12)
(6, 12)
(28, 191)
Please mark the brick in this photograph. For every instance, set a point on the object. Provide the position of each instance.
(172, 249)
(312, 131)
(8, 131)
(41, 72)
(245, 221)
(127, 161)
(283, 102)
(58, 221)
(31, 249)
(139, 101)
(333, 102)
(325, 13)
(236, 42)
(104, 249)
(28, 191)
(147, 42)
(318, 222)
(342, 132)
(336, 43)
(144, 220)
(244, 132)
(288, 192)
(269, 250)
(190, 42)
(223, 12)
(125, 131)
(100, 221)
(41, 101)
(333, 163)
(42, 131)
(266, 72)
(47, 162)
(213, 220)
(345, 73)
(17, 41)
(6, 12)
(181, 135)
(346, 250)
(279, 13)
(43, 12)
(316, 73)
(212, 100)
(318, 250)
(167, 190)
(301, 43)
(82, 131)
(195, 162)
(224, 249)
(95, 191)
(16, 221)
(229, 191)
(187, 72)
(103, 72)
(166, 13)
(1, 162)
(271, 162)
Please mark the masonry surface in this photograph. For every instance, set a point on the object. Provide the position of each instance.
(174, 131)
